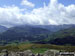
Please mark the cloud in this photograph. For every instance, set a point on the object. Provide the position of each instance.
(27, 3)
(10, 16)
(53, 14)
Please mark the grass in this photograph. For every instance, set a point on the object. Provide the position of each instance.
(39, 50)
(36, 48)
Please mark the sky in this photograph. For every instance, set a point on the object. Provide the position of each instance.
(36, 12)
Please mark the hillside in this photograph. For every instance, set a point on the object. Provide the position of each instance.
(37, 33)
(24, 33)
(2, 29)
(63, 37)
(55, 28)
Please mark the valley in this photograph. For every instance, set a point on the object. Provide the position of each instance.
(38, 39)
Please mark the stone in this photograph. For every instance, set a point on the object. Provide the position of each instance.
(12, 54)
(20, 54)
(38, 54)
(31, 55)
(48, 53)
(4, 52)
(27, 52)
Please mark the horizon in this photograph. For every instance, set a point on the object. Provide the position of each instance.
(37, 27)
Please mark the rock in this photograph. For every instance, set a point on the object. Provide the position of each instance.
(31, 55)
(20, 54)
(4, 52)
(27, 53)
(38, 54)
(57, 54)
(48, 53)
(12, 54)
(51, 53)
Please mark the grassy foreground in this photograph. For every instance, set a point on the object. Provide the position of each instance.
(36, 48)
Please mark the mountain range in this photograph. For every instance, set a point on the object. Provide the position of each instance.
(24, 33)
(3, 29)
(47, 34)
(62, 37)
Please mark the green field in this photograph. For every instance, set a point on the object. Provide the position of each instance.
(37, 48)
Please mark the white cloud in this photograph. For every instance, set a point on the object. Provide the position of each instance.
(27, 3)
(10, 16)
(55, 13)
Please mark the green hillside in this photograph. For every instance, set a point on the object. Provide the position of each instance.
(23, 33)
(63, 37)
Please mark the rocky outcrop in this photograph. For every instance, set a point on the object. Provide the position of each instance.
(49, 53)
(4, 53)
(27, 53)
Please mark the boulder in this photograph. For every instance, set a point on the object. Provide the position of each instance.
(51, 53)
(27, 52)
(31, 55)
(48, 53)
(38, 54)
(20, 53)
(12, 54)
(4, 53)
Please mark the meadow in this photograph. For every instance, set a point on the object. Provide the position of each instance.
(37, 48)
